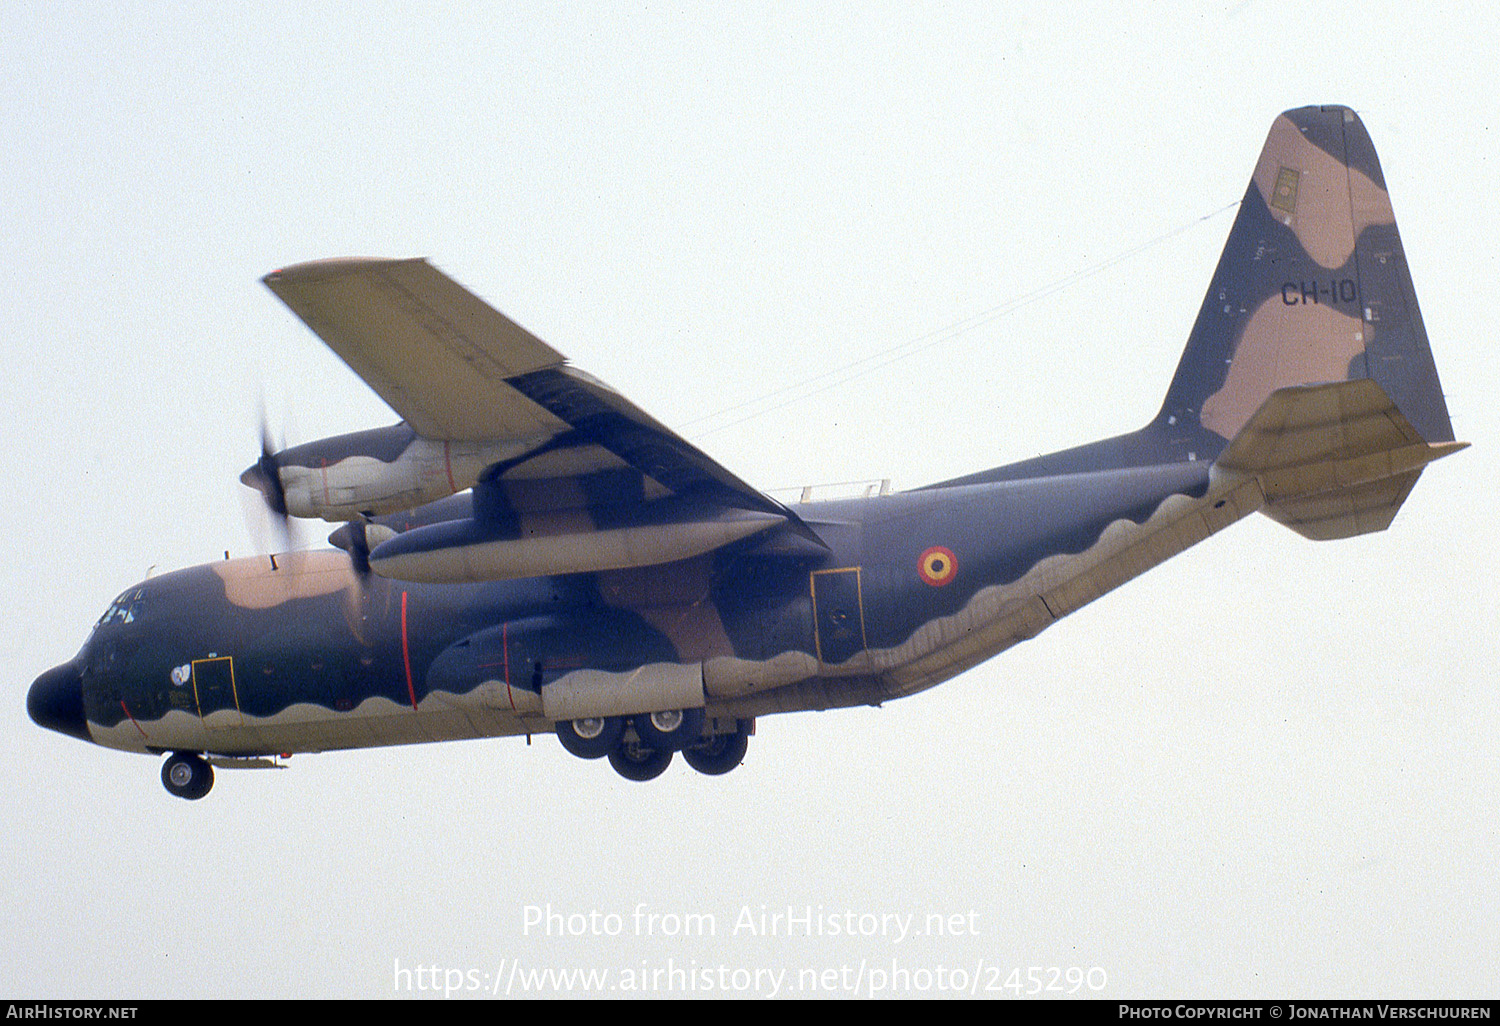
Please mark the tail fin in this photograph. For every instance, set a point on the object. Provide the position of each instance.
(1312, 288)
(1308, 367)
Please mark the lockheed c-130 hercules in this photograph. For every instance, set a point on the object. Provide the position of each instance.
(529, 552)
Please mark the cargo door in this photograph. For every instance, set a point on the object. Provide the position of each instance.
(838, 614)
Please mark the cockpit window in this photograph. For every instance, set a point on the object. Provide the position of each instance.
(125, 609)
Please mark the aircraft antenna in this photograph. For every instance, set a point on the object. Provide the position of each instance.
(876, 361)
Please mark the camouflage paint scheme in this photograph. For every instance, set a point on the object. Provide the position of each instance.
(1307, 389)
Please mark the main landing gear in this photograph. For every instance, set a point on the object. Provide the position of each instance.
(187, 775)
(641, 747)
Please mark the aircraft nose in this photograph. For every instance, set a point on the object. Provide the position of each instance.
(55, 701)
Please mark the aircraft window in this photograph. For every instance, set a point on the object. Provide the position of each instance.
(124, 609)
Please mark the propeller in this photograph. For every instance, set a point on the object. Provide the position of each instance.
(357, 538)
(270, 516)
(354, 538)
(264, 475)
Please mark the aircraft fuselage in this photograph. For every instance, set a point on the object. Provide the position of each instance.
(296, 652)
(606, 580)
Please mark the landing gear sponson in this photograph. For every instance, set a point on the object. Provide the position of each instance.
(638, 747)
(641, 747)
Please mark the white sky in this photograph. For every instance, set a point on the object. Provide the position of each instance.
(1267, 769)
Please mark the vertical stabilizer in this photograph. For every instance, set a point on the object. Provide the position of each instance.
(1312, 288)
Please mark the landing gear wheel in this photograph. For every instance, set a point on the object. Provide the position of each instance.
(591, 738)
(186, 775)
(719, 754)
(637, 762)
(669, 729)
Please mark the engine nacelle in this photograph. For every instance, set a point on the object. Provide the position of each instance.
(384, 470)
(464, 551)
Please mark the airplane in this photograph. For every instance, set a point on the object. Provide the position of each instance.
(528, 552)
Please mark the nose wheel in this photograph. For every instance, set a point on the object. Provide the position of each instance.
(187, 775)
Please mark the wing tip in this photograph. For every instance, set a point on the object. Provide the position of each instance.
(334, 267)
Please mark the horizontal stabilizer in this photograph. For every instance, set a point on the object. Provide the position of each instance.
(1333, 460)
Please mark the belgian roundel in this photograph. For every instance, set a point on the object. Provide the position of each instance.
(937, 566)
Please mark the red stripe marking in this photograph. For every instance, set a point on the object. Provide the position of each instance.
(406, 655)
(505, 647)
(130, 717)
(448, 463)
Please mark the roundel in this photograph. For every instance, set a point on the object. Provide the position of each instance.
(937, 566)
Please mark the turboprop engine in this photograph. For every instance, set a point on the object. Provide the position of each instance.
(366, 473)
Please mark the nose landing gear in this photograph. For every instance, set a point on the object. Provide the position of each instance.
(187, 775)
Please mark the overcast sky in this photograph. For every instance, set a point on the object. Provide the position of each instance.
(1266, 769)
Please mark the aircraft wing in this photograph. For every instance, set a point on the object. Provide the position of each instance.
(435, 352)
(458, 370)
